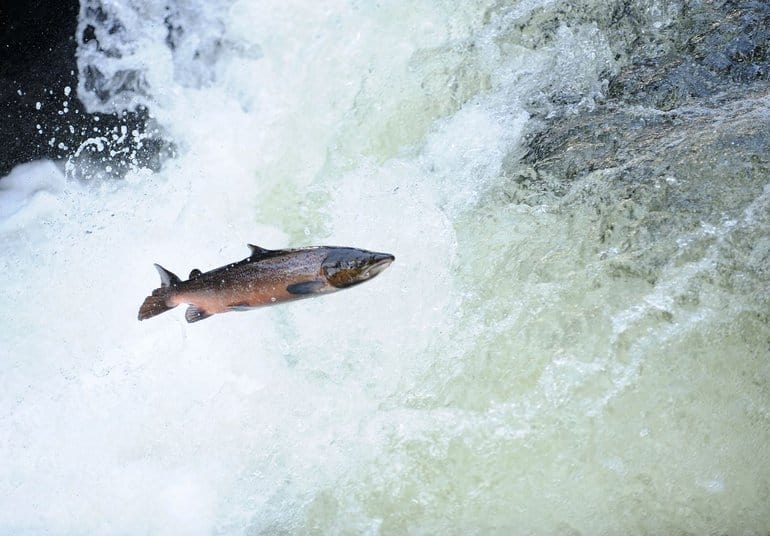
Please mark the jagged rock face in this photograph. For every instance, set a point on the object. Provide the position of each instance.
(712, 45)
(682, 145)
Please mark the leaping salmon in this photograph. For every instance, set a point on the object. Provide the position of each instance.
(266, 277)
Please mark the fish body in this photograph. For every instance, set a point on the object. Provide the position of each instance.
(266, 277)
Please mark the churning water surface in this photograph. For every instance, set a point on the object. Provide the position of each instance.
(516, 370)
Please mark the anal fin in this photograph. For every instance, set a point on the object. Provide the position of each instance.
(193, 314)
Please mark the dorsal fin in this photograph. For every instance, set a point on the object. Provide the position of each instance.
(257, 251)
(167, 279)
(195, 273)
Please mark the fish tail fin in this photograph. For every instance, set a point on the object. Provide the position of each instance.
(157, 302)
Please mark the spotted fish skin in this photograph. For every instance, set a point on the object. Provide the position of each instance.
(266, 277)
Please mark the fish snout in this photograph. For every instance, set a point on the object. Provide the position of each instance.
(380, 261)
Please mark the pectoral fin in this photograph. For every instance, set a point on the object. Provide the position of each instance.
(240, 307)
(306, 287)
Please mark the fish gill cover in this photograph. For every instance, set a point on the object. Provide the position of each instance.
(575, 338)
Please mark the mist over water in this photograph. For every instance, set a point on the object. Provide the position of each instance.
(541, 358)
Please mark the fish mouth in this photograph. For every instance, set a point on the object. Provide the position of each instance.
(379, 263)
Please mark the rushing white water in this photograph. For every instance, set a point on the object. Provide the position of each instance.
(498, 377)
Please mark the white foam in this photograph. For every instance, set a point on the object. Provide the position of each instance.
(29, 194)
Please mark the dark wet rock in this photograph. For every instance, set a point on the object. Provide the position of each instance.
(669, 52)
(39, 109)
(712, 43)
(652, 176)
(674, 164)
